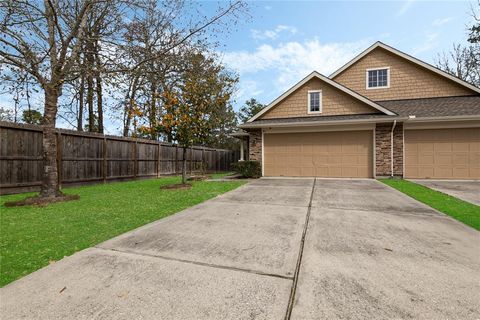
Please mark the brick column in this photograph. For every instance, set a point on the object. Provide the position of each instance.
(383, 149)
(255, 145)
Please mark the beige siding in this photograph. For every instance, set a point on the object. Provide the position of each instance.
(334, 102)
(407, 80)
(442, 153)
(321, 154)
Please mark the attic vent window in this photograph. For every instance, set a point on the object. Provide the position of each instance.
(378, 78)
(314, 101)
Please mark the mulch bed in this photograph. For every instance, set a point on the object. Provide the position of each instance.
(176, 186)
(41, 202)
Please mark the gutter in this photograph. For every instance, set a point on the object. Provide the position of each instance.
(391, 147)
(253, 125)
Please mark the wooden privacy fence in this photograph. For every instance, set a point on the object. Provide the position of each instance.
(90, 158)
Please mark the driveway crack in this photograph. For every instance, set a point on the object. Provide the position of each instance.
(291, 301)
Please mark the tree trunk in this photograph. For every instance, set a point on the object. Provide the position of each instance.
(153, 111)
(91, 114)
(184, 166)
(98, 81)
(80, 104)
(129, 100)
(90, 90)
(50, 186)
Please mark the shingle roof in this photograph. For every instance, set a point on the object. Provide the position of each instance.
(435, 107)
(426, 108)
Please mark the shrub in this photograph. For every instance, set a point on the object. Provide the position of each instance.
(248, 169)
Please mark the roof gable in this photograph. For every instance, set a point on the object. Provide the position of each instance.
(330, 82)
(409, 58)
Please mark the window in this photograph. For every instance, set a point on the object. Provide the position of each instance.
(378, 78)
(315, 101)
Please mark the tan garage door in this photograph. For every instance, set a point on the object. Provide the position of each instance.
(320, 154)
(443, 153)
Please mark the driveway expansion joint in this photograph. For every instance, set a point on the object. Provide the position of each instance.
(204, 264)
(300, 255)
(262, 203)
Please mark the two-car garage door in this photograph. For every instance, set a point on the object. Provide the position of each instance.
(442, 153)
(321, 154)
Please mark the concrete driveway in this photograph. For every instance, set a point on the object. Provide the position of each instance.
(468, 190)
(272, 249)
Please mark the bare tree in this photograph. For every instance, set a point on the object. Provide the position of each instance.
(45, 39)
(462, 62)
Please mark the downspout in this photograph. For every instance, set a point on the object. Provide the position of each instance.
(391, 147)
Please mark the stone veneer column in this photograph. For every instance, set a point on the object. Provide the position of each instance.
(255, 145)
(383, 149)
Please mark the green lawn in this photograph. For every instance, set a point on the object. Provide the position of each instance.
(463, 211)
(31, 237)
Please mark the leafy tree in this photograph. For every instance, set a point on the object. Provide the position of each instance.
(32, 117)
(474, 35)
(196, 108)
(251, 108)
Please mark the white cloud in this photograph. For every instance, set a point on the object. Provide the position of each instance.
(268, 8)
(248, 89)
(272, 34)
(405, 6)
(431, 41)
(294, 57)
(440, 22)
(271, 69)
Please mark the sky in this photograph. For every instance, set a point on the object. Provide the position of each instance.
(280, 42)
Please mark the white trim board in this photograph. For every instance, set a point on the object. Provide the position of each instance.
(354, 127)
(425, 65)
(329, 81)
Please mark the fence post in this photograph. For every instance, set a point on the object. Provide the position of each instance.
(134, 145)
(158, 159)
(176, 160)
(104, 159)
(191, 160)
(204, 167)
(59, 158)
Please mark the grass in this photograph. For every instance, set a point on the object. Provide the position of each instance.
(463, 211)
(220, 175)
(32, 237)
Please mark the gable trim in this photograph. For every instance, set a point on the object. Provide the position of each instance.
(416, 61)
(329, 81)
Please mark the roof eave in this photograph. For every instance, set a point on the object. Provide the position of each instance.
(321, 123)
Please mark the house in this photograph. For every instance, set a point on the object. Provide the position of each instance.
(384, 113)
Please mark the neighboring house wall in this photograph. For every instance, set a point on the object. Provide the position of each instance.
(334, 102)
(383, 149)
(407, 80)
(255, 145)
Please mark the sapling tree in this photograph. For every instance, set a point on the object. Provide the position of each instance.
(196, 108)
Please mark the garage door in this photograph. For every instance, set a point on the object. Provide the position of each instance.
(443, 153)
(320, 154)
